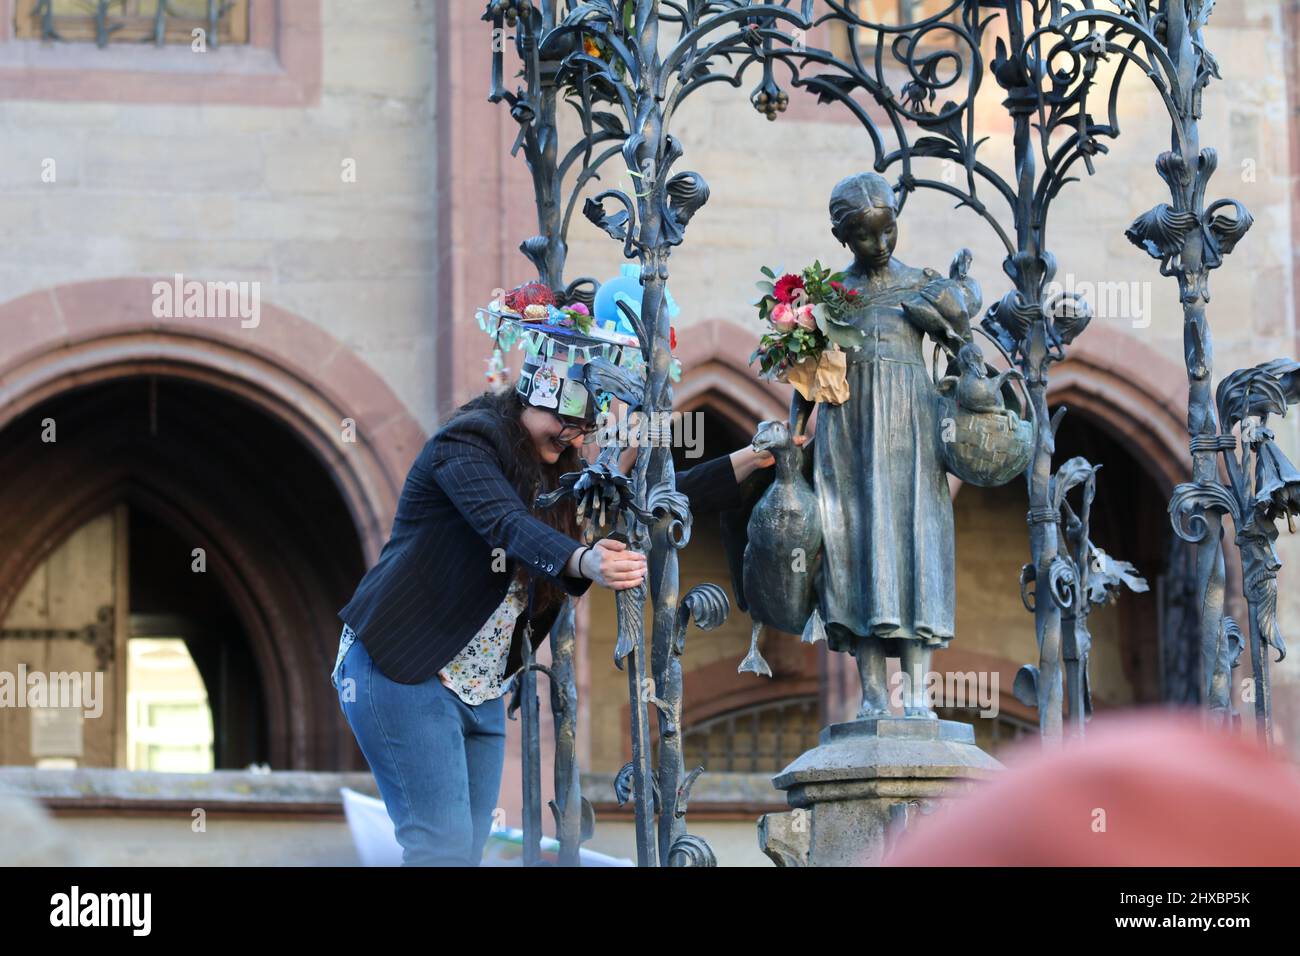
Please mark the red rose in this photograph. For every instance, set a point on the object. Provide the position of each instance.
(672, 338)
(786, 288)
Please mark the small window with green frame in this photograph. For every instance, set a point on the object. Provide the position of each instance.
(161, 22)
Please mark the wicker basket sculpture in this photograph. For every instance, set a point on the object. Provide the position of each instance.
(985, 448)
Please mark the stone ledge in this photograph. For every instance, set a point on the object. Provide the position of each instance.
(308, 792)
(240, 791)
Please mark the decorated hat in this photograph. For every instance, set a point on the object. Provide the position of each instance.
(557, 343)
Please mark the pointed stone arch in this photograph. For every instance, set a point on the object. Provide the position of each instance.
(88, 332)
(87, 338)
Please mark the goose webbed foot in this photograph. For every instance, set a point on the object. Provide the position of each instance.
(754, 662)
(814, 630)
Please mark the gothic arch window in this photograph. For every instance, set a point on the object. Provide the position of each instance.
(991, 733)
(761, 738)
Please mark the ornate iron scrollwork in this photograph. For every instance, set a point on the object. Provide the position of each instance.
(628, 65)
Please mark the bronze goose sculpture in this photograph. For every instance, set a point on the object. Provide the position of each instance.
(783, 553)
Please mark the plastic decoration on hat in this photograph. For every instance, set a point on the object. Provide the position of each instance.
(497, 378)
(625, 288)
(549, 380)
(557, 344)
(559, 341)
(623, 294)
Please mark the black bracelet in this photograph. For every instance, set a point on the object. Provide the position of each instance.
(580, 557)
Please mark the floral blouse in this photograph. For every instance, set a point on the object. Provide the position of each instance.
(476, 673)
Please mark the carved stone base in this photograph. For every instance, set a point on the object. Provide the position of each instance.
(854, 793)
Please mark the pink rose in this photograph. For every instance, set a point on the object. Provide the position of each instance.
(804, 318)
(782, 317)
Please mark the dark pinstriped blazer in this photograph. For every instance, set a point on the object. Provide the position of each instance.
(434, 584)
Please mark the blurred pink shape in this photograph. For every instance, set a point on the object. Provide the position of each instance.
(1142, 790)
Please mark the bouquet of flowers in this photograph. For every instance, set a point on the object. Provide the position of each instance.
(805, 312)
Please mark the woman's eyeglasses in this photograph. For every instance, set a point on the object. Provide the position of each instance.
(570, 432)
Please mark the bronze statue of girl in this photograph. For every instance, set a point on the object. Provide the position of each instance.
(887, 582)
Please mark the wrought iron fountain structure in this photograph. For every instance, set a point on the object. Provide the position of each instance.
(627, 66)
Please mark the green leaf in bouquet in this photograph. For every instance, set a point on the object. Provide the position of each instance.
(766, 287)
(769, 273)
(845, 336)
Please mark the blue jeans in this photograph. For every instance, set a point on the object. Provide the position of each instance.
(437, 760)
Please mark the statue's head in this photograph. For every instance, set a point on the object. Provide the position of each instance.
(864, 217)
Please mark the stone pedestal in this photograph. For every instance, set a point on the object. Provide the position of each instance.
(853, 794)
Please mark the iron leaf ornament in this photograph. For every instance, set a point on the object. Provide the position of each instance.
(1262, 488)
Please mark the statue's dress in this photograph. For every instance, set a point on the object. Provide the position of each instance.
(882, 487)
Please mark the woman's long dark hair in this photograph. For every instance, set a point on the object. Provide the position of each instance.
(531, 476)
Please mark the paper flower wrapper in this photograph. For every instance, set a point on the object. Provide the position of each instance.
(825, 380)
